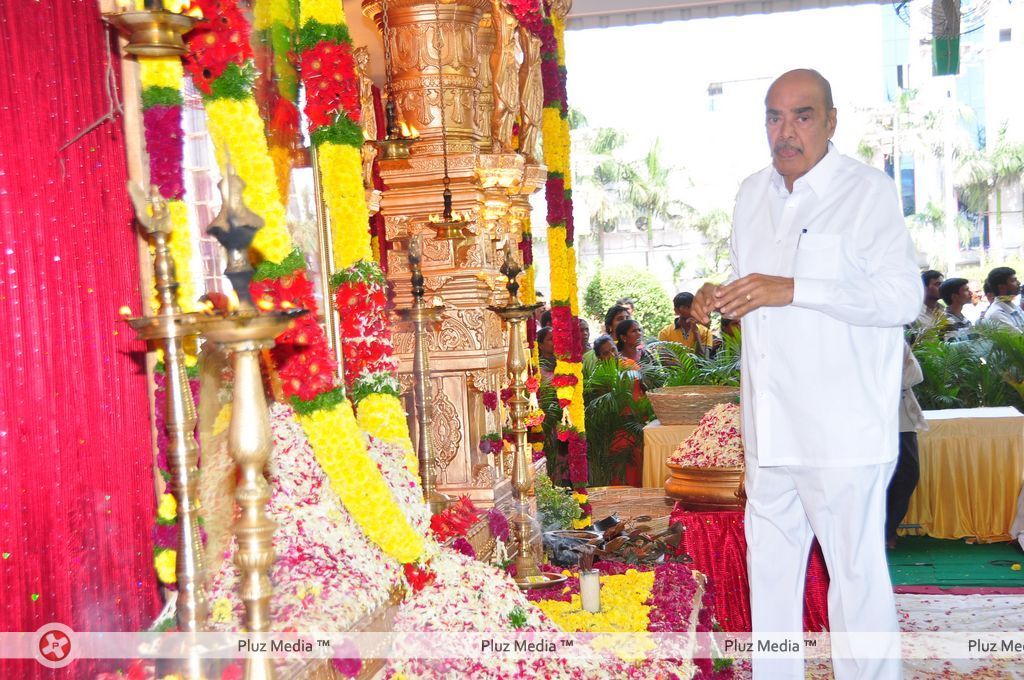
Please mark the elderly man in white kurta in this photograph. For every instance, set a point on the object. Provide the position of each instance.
(824, 278)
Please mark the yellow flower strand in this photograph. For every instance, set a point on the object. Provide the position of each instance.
(573, 295)
(382, 416)
(557, 255)
(325, 11)
(268, 12)
(354, 476)
(166, 563)
(236, 127)
(161, 72)
(342, 174)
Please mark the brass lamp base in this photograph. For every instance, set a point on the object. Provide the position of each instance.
(437, 501)
(153, 33)
(395, 148)
(451, 230)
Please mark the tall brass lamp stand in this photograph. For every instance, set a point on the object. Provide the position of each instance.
(524, 526)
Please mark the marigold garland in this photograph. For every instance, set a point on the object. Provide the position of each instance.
(341, 452)
(221, 62)
(382, 416)
(277, 85)
(558, 192)
(327, 69)
(161, 79)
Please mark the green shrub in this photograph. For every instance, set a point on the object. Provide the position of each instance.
(653, 306)
(556, 508)
(987, 370)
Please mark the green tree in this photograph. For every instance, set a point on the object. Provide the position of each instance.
(600, 186)
(984, 176)
(715, 226)
(649, 184)
(652, 305)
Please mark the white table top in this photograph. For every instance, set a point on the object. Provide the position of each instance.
(991, 412)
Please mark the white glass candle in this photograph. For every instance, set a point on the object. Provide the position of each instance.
(590, 590)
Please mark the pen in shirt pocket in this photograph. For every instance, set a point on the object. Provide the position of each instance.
(800, 237)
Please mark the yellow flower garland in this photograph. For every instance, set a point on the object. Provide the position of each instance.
(236, 128)
(161, 72)
(570, 265)
(556, 147)
(382, 416)
(166, 563)
(342, 174)
(168, 72)
(180, 245)
(354, 476)
(557, 254)
(167, 510)
(324, 11)
(266, 13)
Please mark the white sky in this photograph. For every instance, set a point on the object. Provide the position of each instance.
(652, 81)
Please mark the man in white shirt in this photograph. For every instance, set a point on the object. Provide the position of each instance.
(1002, 312)
(824, 278)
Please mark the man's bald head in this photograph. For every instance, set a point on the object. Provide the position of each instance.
(807, 74)
(800, 120)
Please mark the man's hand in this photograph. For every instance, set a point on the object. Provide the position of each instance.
(751, 292)
(704, 303)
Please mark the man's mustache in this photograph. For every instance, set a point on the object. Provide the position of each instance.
(786, 146)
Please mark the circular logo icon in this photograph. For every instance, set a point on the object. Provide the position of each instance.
(54, 646)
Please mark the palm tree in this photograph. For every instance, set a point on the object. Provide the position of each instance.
(715, 226)
(603, 185)
(987, 174)
(910, 126)
(649, 183)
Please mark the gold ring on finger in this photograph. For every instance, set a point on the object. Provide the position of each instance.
(748, 297)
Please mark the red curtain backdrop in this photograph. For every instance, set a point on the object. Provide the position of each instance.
(76, 481)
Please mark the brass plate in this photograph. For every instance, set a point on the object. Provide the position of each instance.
(548, 581)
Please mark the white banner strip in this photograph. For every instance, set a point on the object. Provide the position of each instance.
(58, 644)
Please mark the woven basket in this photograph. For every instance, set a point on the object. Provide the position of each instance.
(684, 405)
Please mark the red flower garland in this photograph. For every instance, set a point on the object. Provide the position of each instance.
(327, 89)
(214, 44)
(364, 325)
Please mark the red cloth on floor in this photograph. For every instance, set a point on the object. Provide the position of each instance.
(718, 546)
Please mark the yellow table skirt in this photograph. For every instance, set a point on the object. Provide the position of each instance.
(660, 441)
(972, 469)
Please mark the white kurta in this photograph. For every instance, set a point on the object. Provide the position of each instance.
(821, 377)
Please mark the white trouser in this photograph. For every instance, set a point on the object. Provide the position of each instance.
(787, 506)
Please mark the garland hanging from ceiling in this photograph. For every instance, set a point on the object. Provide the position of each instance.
(333, 108)
(221, 64)
(549, 27)
(277, 84)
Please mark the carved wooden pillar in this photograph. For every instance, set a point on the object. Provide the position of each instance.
(485, 42)
(467, 348)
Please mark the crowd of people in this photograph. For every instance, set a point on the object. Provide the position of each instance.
(625, 341)
(953, 308)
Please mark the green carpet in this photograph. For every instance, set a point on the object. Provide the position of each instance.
(925, 561)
